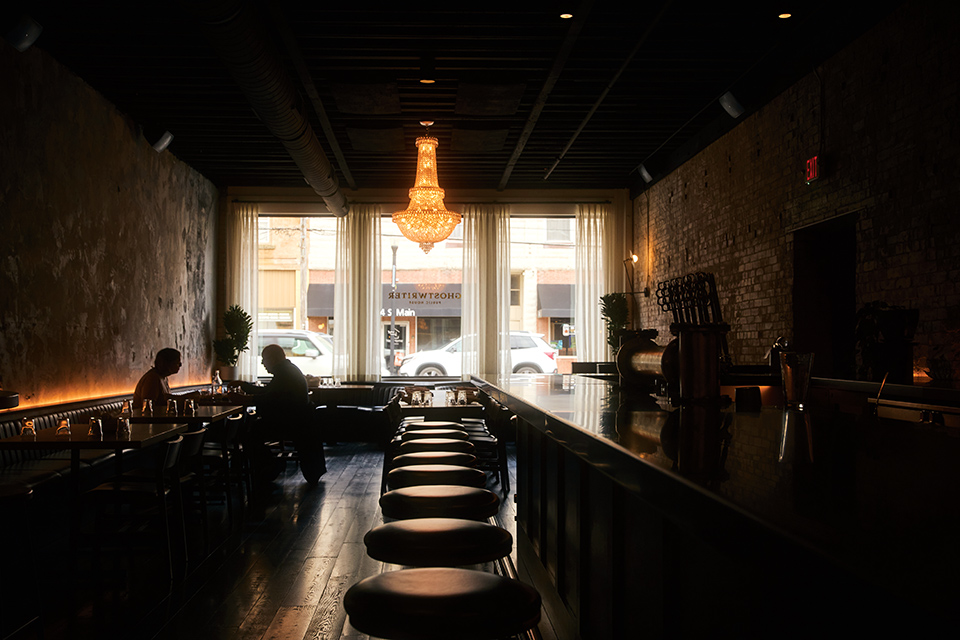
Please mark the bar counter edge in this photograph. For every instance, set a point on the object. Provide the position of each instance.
(633, 550)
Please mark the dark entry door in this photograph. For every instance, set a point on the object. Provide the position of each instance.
(824, 295)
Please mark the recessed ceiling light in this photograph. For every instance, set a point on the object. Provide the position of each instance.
(784, 16)
(566, 16)
(428, 69)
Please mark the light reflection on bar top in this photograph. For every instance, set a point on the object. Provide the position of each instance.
(591, 404)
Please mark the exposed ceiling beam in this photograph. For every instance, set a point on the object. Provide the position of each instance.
(603, 94)
(555, 70)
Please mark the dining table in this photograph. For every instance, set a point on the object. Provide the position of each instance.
(440, 409)
(141, 435)
(202, 415)
(212, 415)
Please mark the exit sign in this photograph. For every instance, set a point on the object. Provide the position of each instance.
(813, 169)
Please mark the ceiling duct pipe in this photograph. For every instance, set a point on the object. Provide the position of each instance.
(235, 30)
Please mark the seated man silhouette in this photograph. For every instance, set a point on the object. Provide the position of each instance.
(153, 384)
(285, 413)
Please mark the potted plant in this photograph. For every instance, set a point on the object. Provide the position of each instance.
(237, 324)
(615, 311)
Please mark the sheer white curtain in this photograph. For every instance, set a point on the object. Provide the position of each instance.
(485, 299)
(357, 293)
(241, 275)
(596, 274)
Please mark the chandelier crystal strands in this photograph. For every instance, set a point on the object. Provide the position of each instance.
(426, 220)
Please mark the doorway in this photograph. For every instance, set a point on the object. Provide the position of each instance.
(824, 295)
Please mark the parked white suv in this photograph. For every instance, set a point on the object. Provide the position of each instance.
(529, 353)
(311, 352)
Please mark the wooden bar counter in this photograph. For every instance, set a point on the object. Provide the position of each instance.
(649, 521)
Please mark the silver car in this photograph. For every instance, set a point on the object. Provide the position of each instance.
(312, 352)
(529, 353)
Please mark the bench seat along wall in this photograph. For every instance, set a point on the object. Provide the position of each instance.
(107, 247)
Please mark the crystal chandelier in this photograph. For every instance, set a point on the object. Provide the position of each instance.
(426, 220)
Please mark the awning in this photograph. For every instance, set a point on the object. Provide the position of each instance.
(409, 300)
(555, 300)
(320, 300)
(423, 300)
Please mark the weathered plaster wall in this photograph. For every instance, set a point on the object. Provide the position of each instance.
(891, 141)
(107, 249)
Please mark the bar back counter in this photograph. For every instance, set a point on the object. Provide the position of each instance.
(650, 521)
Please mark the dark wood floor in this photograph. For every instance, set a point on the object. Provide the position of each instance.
(280, 574)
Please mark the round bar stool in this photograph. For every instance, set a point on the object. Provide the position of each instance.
(435, 603)
(436, 444)
(435, 457)
(420, 434)
(439, 501)
(420, 474)
(438, 542)
(432, 424)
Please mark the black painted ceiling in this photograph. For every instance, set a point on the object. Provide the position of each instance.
(639, 83)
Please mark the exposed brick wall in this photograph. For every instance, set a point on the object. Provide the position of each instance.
(890, 140)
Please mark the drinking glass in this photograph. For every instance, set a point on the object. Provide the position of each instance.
(461, 396)
(190, 407)
(147, 409)
(123, 426)
(171, 407)
(795, 371)
(27, 428)
(64, 428)
(96, 428)
(451, 398)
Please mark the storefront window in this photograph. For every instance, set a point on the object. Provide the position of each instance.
(296, 263)
(542, 256)
(421, 301)
(421, 293)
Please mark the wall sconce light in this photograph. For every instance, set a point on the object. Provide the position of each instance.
(731, 105)
(8, 399)
(633, 260)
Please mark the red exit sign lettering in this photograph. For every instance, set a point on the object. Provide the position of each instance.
(813, 169)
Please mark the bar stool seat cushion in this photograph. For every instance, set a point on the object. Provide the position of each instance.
(437, 444)
(439, 501)
(432, 424)
(435, 474)
(435, 457)
(438, 542)
(423, 604)
(420, 434)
